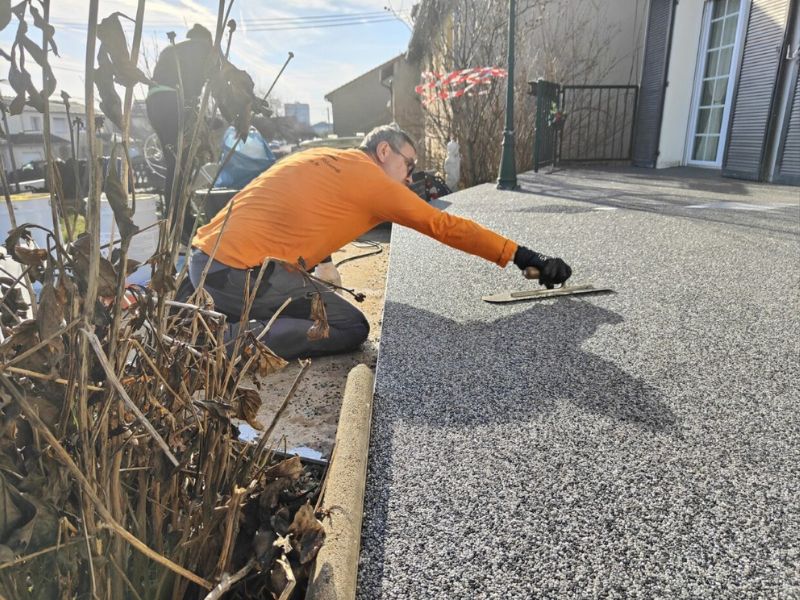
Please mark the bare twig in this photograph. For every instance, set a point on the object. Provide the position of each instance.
(112, 378)
(43, 377)
(228, 581)
(32, 555)
(88, 489)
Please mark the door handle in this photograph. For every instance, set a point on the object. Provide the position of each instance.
(792, 55)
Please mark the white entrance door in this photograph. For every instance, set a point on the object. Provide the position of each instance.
(720, 45)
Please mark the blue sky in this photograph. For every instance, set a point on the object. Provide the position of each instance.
(325, 57)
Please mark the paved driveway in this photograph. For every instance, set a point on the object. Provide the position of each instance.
(637, 445)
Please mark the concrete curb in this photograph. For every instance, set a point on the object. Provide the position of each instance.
(336, 566)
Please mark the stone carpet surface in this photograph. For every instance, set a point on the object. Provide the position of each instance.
(643, 444)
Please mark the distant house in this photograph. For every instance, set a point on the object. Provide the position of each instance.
(322, 128)
(27, 133)
(379, 96)
(720, 88)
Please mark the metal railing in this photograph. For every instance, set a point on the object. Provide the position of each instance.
(546, 133)
(599, 123)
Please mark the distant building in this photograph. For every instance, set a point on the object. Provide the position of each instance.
(377, 97)
(300, 111)
(322, 128)
(733, 99)
(26, 134)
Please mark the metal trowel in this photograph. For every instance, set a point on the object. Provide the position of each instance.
(524, 295)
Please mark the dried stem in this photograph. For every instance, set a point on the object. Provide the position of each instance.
(43, 377)
(112, 378)
(88, 489)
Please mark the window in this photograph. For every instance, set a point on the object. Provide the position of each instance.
(35, 123)
(713, 87)
(60, 125)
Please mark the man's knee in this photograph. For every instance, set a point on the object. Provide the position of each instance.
(358, 330)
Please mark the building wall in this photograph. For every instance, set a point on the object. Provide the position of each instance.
(681, 74)
(406, 103)
(300, 111)
(31, 121)
(360, 105)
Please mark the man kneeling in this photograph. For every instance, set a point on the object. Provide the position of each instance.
(309, 205)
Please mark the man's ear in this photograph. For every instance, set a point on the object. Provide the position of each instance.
(382, 151)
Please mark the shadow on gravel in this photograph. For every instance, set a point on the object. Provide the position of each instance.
(435, 372)
(446, 374)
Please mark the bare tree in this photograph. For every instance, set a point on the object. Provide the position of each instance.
(562, 41)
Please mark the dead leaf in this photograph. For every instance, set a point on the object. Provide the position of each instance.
(307, 533)
(19, 10)
(49, 319)
(112, 38)
(249, 401)
(21, 233)
(19, 81)
(40, 530)
(263, 541)
(268, 362)
(30, 46)
(22, 337)
(46, 28)
(281, 521)
(131, 265)
(118, 200)
(30, 257)
(110, 102)
(114, 46)
(163, 278)
(268, 499)
(10, 515)
(107, 277)
(320, 330)
(291, 468)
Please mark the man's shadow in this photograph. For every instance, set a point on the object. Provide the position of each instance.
(436, 372)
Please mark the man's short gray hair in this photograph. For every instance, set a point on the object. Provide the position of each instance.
(386, 133)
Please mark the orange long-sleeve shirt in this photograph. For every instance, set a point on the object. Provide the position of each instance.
(312, 203)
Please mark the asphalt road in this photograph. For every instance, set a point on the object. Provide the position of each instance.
(36, 210)
(644, 444)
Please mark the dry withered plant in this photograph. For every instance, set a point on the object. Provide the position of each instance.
(121, 471)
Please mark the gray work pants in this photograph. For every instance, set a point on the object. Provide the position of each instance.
(288, 336)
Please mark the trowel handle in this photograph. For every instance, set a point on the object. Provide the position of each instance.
(531, 273)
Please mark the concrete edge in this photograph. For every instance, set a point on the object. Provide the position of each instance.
(336, 567)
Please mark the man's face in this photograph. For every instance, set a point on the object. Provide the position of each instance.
(398, 163)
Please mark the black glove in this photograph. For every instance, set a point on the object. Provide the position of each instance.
(551, 270)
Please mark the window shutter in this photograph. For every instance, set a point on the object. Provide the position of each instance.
(647, 130)
(754, 97)
(788, 167)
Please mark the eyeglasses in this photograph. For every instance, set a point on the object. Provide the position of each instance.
(411, 163)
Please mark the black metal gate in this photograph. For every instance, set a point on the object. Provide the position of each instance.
(546, 133)
(598, 123)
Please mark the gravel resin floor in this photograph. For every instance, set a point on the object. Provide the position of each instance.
(644, 444)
